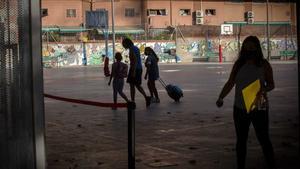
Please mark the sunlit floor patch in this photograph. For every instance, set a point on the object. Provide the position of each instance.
(221, 72)
(214, 67)
(172, 70)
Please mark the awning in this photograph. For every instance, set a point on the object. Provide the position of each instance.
(118, 30)
(50, 29)
(125, 30)
(274, 23)
(64, 29)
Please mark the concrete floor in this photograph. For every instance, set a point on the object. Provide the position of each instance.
(192, 134)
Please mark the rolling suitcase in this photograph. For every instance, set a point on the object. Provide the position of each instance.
(173, 91)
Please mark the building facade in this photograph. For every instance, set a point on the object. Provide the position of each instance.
(149, 14)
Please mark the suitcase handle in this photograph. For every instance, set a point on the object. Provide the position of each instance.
(162, 82)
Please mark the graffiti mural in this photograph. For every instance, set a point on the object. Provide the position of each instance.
(55, 55)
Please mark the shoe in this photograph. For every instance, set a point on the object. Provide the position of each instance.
(157, 100)
(148, 101)
(153, 100)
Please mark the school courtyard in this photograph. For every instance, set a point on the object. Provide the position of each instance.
(192, 134)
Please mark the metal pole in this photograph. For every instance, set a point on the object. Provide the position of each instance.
(106, 41)
(297, 32)
(47, 36)
(239, 37)
(37, 85)
(84, 61)
(171, 23)
(131, 134)
(113, 25)
(285, 41)
(268, 32)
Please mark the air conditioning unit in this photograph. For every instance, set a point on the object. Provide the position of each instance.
(199, 14)
(250, 20)
(250, 14)
(199, 21)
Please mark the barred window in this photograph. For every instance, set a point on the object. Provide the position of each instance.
(184, 12)
(71, 13)
(156, 12)
(44, 12)
(129, 12)
(210, 12)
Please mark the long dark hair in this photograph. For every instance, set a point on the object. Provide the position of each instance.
(150, 51)
(127, 43)
(246, 54)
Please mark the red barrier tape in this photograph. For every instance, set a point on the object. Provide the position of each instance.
(86, 102)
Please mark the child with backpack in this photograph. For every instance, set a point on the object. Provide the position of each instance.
(118, 73)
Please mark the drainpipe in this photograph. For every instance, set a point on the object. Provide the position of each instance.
(268, 32)
(113, 26)
(171, 23)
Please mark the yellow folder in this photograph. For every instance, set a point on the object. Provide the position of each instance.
(249, 94)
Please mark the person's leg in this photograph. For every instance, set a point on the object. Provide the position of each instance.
(260, 121)
(138, 83)
(132, 92)
(141, 90)
(120, 89)
(242, 123)
(115, 92)
(155, 92)
(131, 80)
(147, 98)
(150, 88)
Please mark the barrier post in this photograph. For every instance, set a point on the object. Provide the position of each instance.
(131, 134)
(220, 53)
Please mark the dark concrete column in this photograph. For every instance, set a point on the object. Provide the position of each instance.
(298, 43)
(21, 91)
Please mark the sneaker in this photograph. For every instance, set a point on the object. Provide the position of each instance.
(148, 101)
(153, 100)
(157, 100)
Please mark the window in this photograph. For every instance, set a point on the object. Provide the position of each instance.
(155, 12)
(44, 12)
(129, 12)
(71, 13)
(210, 12)
(184, 12)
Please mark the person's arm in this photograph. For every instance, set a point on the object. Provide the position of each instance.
(228, 86)
(147, 68)
(268, 85)
(112, 74)
(268, 77)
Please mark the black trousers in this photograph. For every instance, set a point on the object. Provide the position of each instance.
(260, 121)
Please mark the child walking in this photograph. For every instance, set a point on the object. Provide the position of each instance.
(118, 73)
(152, 73)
